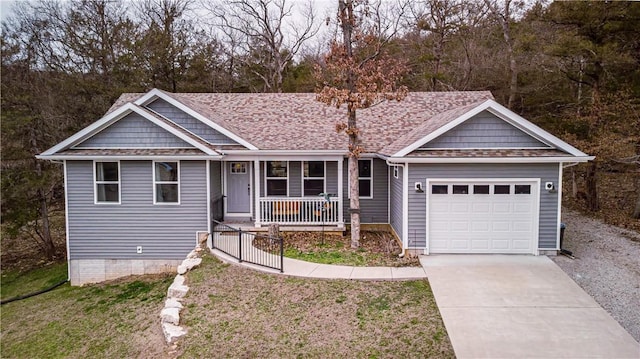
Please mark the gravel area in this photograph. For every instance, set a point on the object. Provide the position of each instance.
(607, 266)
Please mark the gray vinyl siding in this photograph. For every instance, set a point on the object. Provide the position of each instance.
(331, 177)
(113, 231)
(190, 123)
(485, 130)
(548, 201)
(295, 179)
(372, 210)
(215, 178)
(395, 201)
(133, 131)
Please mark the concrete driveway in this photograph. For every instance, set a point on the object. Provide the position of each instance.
(512, 306)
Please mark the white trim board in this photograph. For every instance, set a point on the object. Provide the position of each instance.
(504, 114)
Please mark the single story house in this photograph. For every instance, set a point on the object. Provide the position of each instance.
(448, 172)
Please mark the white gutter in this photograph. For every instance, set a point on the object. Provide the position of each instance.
(125, 157)
(286, 152)
(486, 159)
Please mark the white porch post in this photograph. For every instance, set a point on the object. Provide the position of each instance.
(340, 193)
(256, 192)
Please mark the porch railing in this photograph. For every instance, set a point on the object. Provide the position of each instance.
(259, 249)
(299, 211)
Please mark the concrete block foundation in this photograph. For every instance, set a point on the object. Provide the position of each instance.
(85, 271)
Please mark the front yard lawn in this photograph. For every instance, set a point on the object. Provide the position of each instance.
(233, 311)
(111, 320)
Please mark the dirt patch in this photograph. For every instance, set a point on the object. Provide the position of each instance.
(607, 266)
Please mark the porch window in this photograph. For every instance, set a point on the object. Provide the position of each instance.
(107, 182)
(166, 182)
(277, 178)
(365, 178)
(313, 178)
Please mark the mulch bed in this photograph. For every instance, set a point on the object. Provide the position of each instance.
(377, 248)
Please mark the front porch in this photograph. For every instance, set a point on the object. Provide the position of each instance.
(294, 193)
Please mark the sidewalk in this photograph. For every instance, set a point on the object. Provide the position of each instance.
(298, 268)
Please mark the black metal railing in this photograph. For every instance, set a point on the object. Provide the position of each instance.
(255, 248)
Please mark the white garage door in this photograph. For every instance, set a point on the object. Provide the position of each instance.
(477, 216)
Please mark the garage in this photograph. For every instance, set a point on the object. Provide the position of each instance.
(482, 216)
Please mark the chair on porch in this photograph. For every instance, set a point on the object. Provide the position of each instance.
(285, 209)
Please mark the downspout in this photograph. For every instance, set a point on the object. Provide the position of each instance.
(401, 255)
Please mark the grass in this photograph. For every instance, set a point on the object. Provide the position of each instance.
(330, 255)
(377, 248)
(15, 283)
(117, 319)
(236, 312)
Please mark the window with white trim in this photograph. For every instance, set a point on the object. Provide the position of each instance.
(365, 178)
(107, 182)
(166, 182)
(276, 178)
(313, 178)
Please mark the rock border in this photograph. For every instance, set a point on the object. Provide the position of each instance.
(170, 314)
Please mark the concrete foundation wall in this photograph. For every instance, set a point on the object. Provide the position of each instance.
(85, 271)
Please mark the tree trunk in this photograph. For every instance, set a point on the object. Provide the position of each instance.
(592, 190)
(636, 211)
(354, 201)
(49, 248)
(45, 234)
(574, 184)
(347, 22)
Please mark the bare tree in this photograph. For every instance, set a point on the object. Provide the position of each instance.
(503, 15)
(358, 74)
(264, 36)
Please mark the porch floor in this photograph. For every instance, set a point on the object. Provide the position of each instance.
(249, 226)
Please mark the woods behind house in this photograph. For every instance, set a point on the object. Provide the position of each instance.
(571, 67)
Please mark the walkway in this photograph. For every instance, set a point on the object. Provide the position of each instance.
(297, 268)
(499, 306)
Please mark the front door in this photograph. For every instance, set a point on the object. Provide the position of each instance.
(238, 187)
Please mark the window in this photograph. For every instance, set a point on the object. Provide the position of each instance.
(502, 189)
(365, 178)
(460, 189)
(480, 189)
(166, 182)
(238, 167)
(107, 182)
(313, 178)
(439, 189)
(523, 189)
(395, 171)
(276, 178)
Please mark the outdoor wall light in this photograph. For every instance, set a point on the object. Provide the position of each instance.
(418, 187)
(549, 186)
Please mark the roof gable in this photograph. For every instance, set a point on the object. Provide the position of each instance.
(454, 119)
(123, 111)
(192, 111)
(484, 131)
(190, 123)
(133, 131)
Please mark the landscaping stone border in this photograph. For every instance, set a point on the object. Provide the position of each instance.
(170, 314)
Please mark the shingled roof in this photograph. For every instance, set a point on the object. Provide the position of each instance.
(296, 121)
